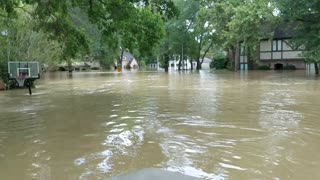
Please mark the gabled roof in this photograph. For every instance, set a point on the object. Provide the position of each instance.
(127, 56)
(282, 30)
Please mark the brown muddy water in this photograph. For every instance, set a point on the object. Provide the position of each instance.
(211, 125)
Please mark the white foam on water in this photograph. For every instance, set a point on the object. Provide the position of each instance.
(35, 165)
(125, 137)
(191, 151)
(120, 125)
(114, 115)
(128, 117)
(105, 166)
(140, 133)
(110, 123)
(116, 130)
(79, 161)
(106, 153)
(237, 157)
(229, 166)
(119, 139)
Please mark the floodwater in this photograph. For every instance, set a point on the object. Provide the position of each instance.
(211, 125)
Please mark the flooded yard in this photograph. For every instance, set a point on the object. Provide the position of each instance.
(210, 125)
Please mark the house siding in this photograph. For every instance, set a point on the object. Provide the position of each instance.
(265, 46)
(279, 51)
(286, 46)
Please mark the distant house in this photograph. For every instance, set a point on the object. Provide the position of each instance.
(93, 64)
(206, 63)
(128, 61)
(186, 64)
(275, 52)
(153, 66)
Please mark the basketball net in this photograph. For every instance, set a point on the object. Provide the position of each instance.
(20, 80)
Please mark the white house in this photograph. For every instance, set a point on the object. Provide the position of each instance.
(186, 64)
(153, 66)
(128, 61)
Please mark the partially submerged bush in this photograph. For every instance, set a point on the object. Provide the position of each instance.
(289, 67)
(263, 67)
(95, 68)
(62, 69)
(220, 63)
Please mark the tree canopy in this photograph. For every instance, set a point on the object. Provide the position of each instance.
(150, 29)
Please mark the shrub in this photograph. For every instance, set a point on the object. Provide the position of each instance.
(289, 67)
(263, 67)
(62, 69)
(95, 68)
(220, 63)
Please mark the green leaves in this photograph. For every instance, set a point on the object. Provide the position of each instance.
(305, 14)
(21, 42)
(117, 24)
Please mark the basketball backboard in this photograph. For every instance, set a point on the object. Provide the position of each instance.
(27, 70)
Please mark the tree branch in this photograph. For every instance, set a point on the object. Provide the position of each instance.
(206, 51)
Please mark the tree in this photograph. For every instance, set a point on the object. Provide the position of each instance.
(120, 22)
(53, 18)
(20, 42)
(204, 35)
(305, 14)
(191, 34)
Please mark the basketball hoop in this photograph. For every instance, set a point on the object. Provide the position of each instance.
(20, 80)
(20, 71)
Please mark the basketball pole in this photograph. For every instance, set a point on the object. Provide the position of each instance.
(29, 86)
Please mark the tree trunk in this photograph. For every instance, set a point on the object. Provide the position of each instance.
(198, 59)
(237, 57)
(198, 64)
(179, 65)
(231, 57)
(70, 69)
(316, 67)
(191, 63)
(166, 62)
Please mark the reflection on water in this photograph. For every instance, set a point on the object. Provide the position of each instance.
(210, 125)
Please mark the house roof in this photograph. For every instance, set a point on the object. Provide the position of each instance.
(282, 30)
(127, 56)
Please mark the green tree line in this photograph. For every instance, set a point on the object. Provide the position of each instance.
(52, 31)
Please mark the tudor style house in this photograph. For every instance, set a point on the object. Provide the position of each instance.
(275, 52)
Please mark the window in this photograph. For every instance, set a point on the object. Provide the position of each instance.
(277, 45)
